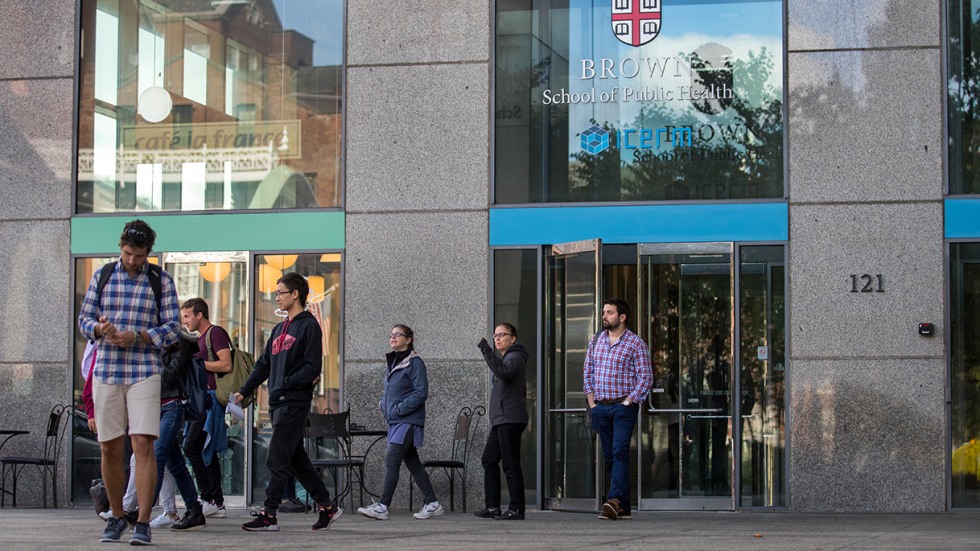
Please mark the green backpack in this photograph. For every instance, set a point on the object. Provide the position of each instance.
(231, 382)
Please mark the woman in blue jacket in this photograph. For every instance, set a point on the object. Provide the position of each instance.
(406, 387)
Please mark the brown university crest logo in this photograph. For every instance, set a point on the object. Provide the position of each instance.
(636, 22)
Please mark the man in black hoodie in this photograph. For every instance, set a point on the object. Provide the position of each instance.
(508, 419)
(291, 361)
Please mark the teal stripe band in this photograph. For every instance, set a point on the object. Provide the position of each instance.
(210, 232)
(640, 223)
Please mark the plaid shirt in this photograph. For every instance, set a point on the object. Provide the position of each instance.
(622, 369)
(130, 305)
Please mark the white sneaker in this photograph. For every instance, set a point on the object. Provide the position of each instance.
(375, 510)
(163, 521)
(429, 510)
(105, 515)
(211, 510)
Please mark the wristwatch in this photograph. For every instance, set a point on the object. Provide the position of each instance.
(627, 402)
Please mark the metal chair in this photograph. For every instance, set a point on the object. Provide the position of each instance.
(46, 465)
(462, 439)
(329, 447)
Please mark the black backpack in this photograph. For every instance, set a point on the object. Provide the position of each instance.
(153, 273)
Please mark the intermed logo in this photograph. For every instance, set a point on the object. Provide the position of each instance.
(636, 22)
(595, 140)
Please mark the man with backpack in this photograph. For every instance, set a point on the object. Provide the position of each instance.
(131, 309)
(217, 361)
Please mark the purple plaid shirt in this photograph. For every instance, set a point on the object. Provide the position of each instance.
(622, 369)
(130, 305)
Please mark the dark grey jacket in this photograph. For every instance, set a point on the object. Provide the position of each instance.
(508, 395)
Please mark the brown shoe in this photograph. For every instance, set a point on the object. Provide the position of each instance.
(611, 509)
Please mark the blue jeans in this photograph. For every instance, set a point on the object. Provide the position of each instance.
(168, 453)
(615, 425)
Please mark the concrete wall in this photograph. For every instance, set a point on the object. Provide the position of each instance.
(36, 105)
(866, 188)
(418, 158)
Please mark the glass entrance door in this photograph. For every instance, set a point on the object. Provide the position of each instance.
(221, 279)
(686, 316)
(572, 286)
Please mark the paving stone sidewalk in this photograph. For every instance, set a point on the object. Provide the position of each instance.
(79, 529)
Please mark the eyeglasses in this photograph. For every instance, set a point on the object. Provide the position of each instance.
(501, 335)
(279, 293)
(396, 334)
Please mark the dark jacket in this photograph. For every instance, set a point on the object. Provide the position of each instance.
(292, 359)
(406, 386)
(175, 359)
(508, 395)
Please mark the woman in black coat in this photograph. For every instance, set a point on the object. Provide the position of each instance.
(508, 419)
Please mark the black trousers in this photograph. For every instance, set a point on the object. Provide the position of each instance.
(288, 459)
(208, 476)
(504, 446)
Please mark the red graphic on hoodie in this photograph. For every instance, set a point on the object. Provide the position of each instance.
(283, 341)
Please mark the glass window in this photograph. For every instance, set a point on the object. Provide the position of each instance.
(190, 106)
(964, 377)
(86, 454)
(762, 379)
(322, 271)
(964, 96)
(634, 101)
(515, 301)
(221, 279)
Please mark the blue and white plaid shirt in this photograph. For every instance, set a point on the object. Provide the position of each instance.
(619, 370)
(128, 302)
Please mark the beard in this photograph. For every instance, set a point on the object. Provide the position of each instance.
(610, 325)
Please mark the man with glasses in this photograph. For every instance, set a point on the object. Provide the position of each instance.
(617, 377)
(133, 315)
(291, 361)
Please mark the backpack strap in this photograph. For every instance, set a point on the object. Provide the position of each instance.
(153, 273)
(212, 357)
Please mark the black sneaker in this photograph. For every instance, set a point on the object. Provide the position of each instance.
(510, 514)
(193, 519)
(294, 505)
(262, 522)
(624, 514)
(132, 517)
(328, 517)
(487, 513)
(141, 534)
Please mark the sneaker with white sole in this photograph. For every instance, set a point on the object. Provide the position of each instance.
(211, 510)
(429, 510)
(375, 510)
(114, 529)
(327, 517)
(140, 535)
(164, 520)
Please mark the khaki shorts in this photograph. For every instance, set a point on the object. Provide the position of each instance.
(136, 405)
